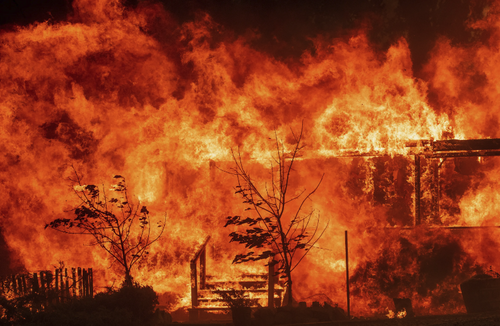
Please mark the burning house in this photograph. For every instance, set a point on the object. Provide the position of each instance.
(407, 142)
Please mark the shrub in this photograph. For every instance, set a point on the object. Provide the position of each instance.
(128, 306)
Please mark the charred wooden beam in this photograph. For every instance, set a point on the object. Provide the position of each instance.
(14, 284)
(200, 250)
(194, 285)
(24, 284)
(20, 285)
(465, 145)
(203, 268)
(91, 283)
(430, 148)
(435, 188)
(34, 283)
(73, 285)
(455, 147)
(418, 143)
(199, 254)
(462, 154)
(417, 190)
(67, 283)
(56, 286)
(79, 285)
(85, 283)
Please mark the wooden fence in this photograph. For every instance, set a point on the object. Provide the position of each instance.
(50, 287)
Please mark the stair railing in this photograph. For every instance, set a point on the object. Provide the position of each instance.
(201, 255)
(270, 282)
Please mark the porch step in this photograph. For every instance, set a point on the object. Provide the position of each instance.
(208, 292)
(242, 276)
(204, 288)
(212, 297)
(245, 281)
(236, 285)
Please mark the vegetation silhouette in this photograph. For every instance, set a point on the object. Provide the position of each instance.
(274, 231)
(123, 229)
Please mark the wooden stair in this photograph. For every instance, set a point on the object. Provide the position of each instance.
(261, 289)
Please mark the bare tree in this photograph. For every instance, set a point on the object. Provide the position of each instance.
(275, 228)
(123, 229)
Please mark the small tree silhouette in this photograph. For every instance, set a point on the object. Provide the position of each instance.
(123, 229)
(274, 230)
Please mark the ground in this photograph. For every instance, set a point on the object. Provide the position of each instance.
(441, 320)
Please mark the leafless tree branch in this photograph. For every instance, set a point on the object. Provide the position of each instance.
(281, 231)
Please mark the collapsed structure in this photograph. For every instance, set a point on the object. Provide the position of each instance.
(437, 151)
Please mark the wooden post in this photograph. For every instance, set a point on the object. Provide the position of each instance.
(24, 284)
(35, 290)
(91, 282)
(73, 272)
(42, 282)
(270, 285)
(56, 283)
(417, 190)
(34, 283)
(200, 254)
(194, 285)
(42, 287)
(56, 286)
(85, 283)
(20, 284)
(49, 277)
(347, 275)
(84, 276)
(79, 282)
(193, 314)
(203, 268)
(67, 283)
(14, 285)
(63, 289)
(435, 188)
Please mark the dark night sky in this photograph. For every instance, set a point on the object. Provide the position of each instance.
(287, 26)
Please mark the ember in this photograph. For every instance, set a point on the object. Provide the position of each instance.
(407, 142)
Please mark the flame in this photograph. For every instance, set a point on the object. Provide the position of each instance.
(129, 91)
(399, 315)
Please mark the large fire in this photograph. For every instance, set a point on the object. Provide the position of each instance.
(118, 90)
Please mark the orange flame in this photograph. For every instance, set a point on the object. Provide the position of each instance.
(116, 90)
